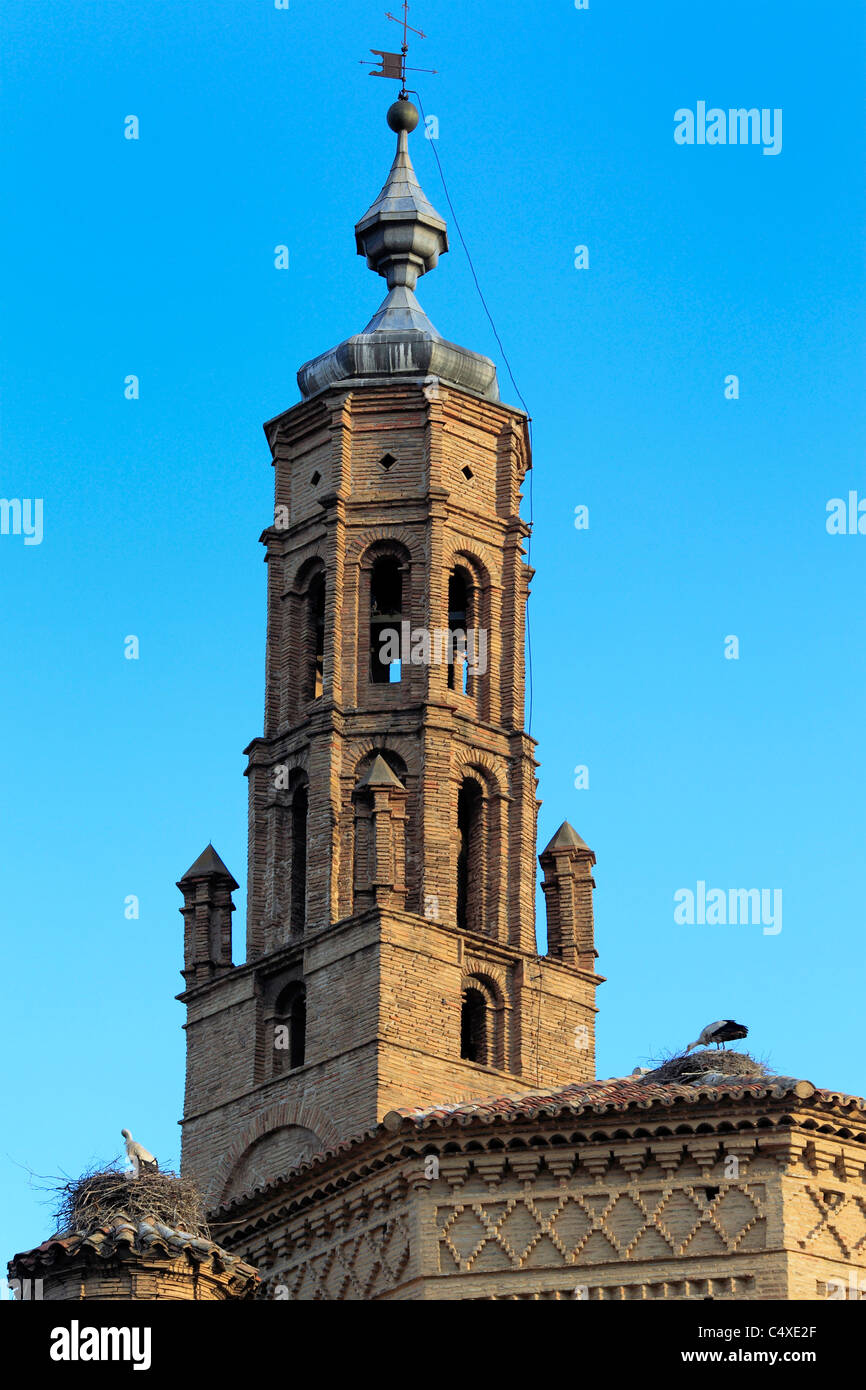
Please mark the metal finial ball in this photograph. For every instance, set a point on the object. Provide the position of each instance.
(403, 115)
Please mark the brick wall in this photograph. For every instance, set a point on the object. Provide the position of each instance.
(385, 986)
(620, 1209)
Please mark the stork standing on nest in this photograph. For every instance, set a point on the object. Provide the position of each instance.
(721, 1032)
(141, 1160)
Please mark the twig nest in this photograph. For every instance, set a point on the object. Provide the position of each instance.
(101, 1195)
(690, 1066)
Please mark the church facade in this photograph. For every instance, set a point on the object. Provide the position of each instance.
(394, 1095)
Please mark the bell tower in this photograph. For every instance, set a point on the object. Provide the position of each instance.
(391, 958)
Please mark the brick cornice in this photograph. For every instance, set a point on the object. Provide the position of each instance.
(467, 1141)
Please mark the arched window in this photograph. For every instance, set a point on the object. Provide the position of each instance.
(386, 615)
(290, 1028)
(459, 592)
(469, 625)
(474, 1027)
(470, 856)
(298, 891)
(303, 628)
(316, 638)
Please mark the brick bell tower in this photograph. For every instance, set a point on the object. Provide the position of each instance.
(391, 955)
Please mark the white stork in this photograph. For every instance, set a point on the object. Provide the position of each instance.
(724, 1030)
(139, 1156)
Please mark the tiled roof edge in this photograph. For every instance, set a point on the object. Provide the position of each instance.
(553, 1104)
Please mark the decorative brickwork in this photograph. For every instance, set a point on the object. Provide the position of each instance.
(392, 823)
(591, 1193)
(431, 1128)
(392, 794)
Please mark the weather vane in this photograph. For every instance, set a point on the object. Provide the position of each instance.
(394, 64)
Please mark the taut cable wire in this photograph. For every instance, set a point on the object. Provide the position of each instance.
(456, 221)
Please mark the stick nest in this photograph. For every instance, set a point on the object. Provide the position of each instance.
(689, 1067)
(102, 1194)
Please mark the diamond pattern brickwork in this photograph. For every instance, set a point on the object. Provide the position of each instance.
(574, 1228)
(365, 1266)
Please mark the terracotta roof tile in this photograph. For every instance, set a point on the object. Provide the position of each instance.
(618, 1093)
(143, 1236)
(594, 1097)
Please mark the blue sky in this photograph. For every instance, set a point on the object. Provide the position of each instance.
(707, 515)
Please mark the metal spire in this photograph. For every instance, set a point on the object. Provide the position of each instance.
(402, 235)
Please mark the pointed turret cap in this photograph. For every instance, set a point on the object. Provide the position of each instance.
(208, 865)
(402, 236)
(567, 837)
(379, 774)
